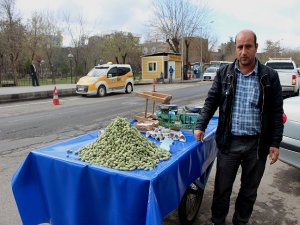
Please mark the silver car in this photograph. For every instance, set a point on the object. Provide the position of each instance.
(290, 145)
(210, 73)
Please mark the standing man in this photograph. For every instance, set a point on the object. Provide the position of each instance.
(250, 127)
(35, 81)
(171, 71)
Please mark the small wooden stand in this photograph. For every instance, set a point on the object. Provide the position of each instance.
(147, 121)
(155, 97)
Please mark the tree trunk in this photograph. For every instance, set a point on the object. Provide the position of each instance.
(124, 58)
(176, 44)
(117, 59)
(171, 45)
(14, 70)
(188, 64)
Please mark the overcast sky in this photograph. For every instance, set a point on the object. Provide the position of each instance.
(274, 20)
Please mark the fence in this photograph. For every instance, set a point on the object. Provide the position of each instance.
(45, 78)
(24, 79)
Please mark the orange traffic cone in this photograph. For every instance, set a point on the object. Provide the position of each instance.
(55, 97)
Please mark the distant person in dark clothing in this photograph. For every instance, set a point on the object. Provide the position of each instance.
(171, 71)
(195, 73)
(35, 81)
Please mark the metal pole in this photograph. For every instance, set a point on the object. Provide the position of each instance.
(71, 71)
(70, 56)
(201, 62)
(182, 41)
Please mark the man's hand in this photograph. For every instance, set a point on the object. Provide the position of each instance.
(199, 135)
(273, 154)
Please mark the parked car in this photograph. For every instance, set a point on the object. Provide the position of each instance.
(106, 78)
(219, 64)
(210, 73)
(288, 75)
(290, 145)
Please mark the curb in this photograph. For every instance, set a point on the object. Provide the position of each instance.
(35, 95)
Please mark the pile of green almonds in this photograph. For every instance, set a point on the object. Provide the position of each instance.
(123, 147)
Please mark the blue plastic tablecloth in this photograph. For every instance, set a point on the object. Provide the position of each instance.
(50, 187)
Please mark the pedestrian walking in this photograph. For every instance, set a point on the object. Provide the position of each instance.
(171, 71)
(248, 95)
(35, 81)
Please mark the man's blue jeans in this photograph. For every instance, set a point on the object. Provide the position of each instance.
(243, 152)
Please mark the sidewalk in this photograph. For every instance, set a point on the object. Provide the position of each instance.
(12, 94)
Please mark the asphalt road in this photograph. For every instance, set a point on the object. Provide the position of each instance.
(26, 126)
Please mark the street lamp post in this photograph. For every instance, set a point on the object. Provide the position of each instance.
(70, 56)
(182, 35)
(182, 59)
(41, 65)
(201, 56)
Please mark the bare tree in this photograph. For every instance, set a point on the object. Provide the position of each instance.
(2, 52)
(13, 33)
(36, 28)
(195, 24)
(167, 21)
(7, 9)
(228, 50)
(96, 55)
(273, 49)
(119, 45)
(293, 53)
(212, 42)
(180, 20)
(79, 42)
(52, 42)
(43, 40)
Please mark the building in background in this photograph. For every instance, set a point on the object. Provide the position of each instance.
(152, 47)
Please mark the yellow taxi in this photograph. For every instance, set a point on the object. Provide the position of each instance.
(106, 78)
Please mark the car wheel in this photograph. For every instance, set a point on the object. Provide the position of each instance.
(190, 204)
(101, 91)
(297, 93)
(128, 88)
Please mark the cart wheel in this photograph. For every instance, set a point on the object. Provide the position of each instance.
(190, 204)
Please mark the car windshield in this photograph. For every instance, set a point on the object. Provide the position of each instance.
(211, 70)
(281, 65)
(98, 71)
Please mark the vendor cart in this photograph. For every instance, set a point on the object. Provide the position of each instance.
(53, 186)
